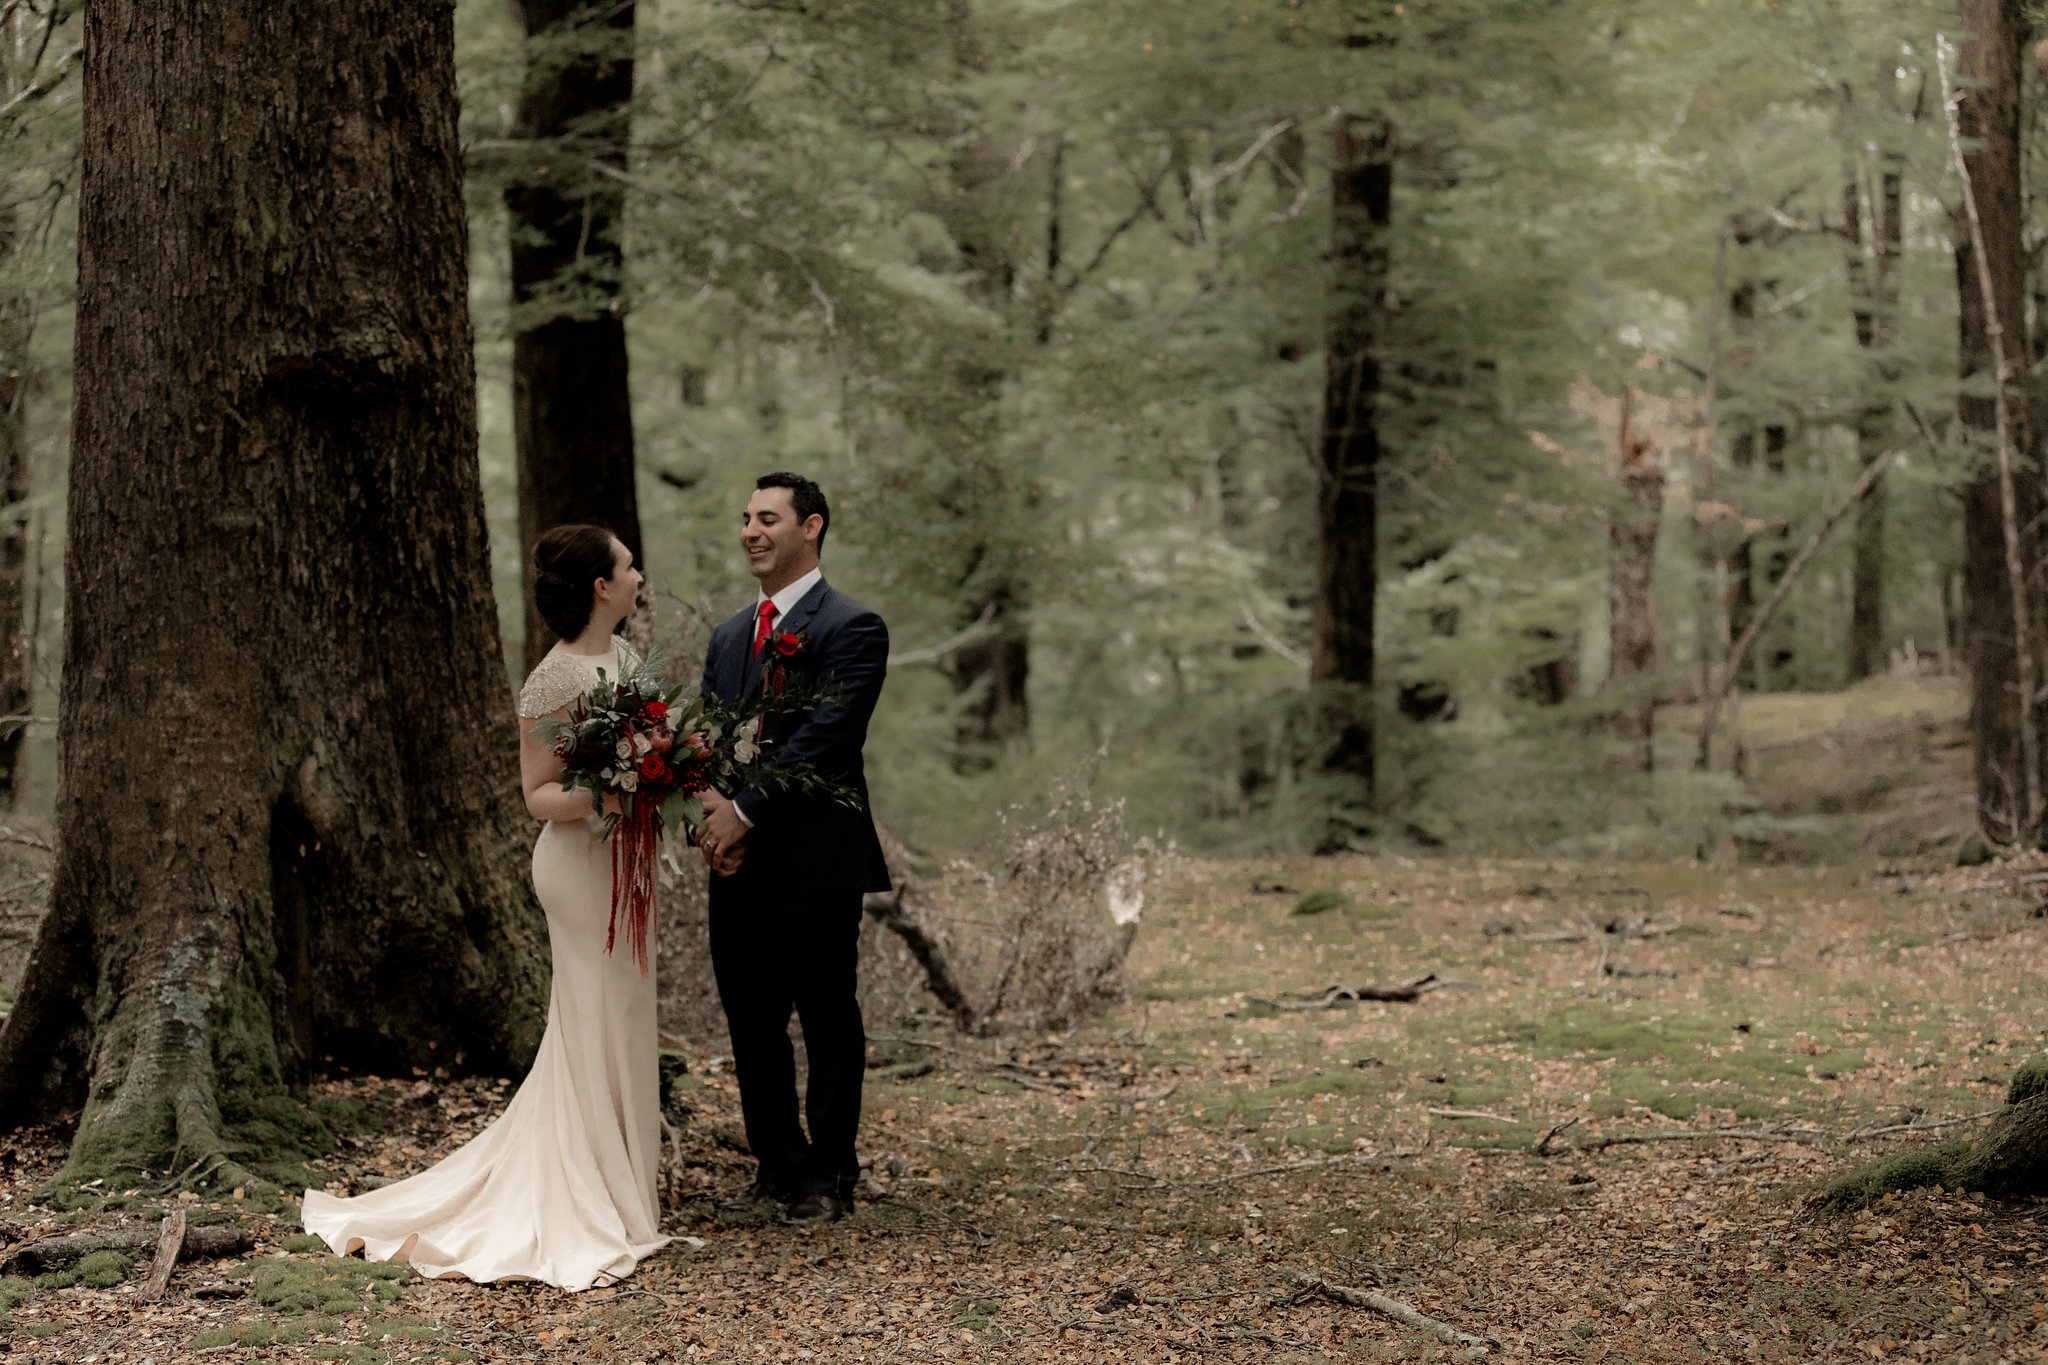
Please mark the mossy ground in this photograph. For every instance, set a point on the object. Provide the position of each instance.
(1039, 1198)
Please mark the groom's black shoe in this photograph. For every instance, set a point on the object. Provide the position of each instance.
(818, 1208)
(760, 1194)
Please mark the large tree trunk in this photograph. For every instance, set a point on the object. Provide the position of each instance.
(17, 323)
(288, 827)
(572, 414)
(1347, 499)
(1631, 569)
(1988, 65)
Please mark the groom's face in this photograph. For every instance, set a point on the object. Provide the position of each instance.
(779, 548)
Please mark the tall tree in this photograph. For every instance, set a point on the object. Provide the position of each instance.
(991, 675)
(31, 68)
(572, 413)
(1631, 615)
(287, 823)
(1873, 264)
(2001, 542)
(1347, 490)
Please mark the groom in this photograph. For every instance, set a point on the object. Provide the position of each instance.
(791, 868)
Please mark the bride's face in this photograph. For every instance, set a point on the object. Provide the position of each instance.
(618, 595)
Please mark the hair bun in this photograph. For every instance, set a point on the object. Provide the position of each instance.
(567, 562)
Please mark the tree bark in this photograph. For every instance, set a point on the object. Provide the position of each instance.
(1347, 499)
(572, 413)
(288, 826)
(1988, 123)
(1631, 565)
(17, 324)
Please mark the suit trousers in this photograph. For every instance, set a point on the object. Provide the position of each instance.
(774, 950)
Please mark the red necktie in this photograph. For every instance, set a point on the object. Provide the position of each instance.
(761, 635)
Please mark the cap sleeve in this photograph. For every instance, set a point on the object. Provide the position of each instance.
(558, 681)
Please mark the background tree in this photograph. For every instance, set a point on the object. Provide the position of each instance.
(288, 828)
(572, 411)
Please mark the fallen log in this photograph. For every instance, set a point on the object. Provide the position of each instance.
(1312, 1285)
(54, 1253)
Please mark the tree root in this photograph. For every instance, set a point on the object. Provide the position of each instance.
(54, 1253)
(1379, 1303)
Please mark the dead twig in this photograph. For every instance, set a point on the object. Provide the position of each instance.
(1469, 1114)
(1541, 1147)
(1314, 1286)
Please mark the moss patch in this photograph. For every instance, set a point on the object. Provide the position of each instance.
(1902, 1171)
(327, 1284)
(100, 1270)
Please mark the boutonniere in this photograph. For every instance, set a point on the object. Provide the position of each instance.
(784, 648)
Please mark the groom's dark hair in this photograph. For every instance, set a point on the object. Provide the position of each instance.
(806, 497)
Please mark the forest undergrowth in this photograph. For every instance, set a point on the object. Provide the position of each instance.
(1599, 1133)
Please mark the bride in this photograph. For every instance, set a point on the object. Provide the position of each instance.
(561, 1187)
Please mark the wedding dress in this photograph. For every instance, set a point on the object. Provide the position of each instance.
(561, 1187)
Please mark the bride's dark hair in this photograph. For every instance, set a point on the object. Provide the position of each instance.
(567, 562)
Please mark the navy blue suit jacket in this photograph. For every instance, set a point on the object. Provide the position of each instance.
(802, 842)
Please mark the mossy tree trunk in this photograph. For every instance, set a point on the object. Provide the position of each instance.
(1988, 115)
(572, 412)
(1341, 663)
(287, 818)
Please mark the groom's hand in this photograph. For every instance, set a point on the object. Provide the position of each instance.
(722, 831)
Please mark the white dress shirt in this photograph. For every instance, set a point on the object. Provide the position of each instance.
(784, 601)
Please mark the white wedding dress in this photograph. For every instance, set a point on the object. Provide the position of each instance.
(561, 1187)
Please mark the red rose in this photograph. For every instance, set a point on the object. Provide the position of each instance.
(653, 769)
(788, 645)
(657, 710)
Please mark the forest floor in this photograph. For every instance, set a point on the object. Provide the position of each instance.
(1149, 1187)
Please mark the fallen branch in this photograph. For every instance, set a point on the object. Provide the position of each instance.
(939, 976)
(1470, 1114)
(1542, 1145)
(169, 1243)
(1724, 677)
(1393, 1308)
(1697, 1135)
(1404, 993)
(1863, 1134)
(54, 1253)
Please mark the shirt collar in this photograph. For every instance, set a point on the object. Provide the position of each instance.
(790, 595)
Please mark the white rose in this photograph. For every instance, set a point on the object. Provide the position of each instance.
(745, 751)
(625, 749)
(629, 782)
(641, 744)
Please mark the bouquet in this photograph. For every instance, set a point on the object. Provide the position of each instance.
(628, 737)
